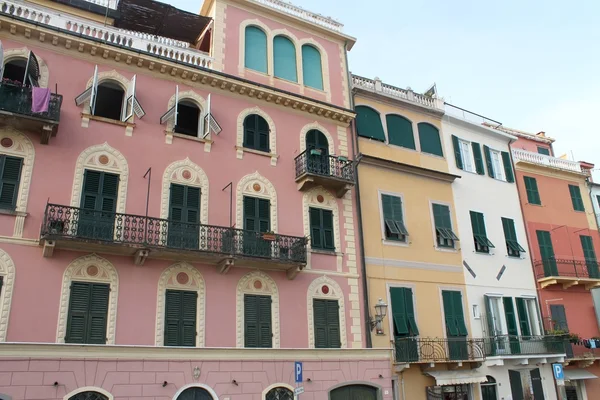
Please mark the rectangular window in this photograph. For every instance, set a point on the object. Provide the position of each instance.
(559, 317)
(326, 314)
(184, 217)
(445, 237)
(543, 150)
(497, 165)
(513, 248)
(524, 320)
(467, 156)
(576, 198)
(257, 321)
(453, 313)
(403, 312)
(180, 318)
(531, 187)
(321, 229)
(10, 176)
(547, 253)
(393, 218)
(482, 243)
(493, 318)
(589, 254)
(88, 312)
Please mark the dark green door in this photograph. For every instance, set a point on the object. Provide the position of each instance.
(511, 325)
(590, 256)
(405, 327)
(88, 312)
(318, 153)
(354, 392)
(195, 393)
(257, 321)
(456, 330)
(98, 205)
(184, 217)
(488, 392)
(257, 220)
(180, 318)
(516, 387)
(547, 253)
(536, 383)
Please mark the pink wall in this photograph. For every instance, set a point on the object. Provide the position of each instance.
(531, 145)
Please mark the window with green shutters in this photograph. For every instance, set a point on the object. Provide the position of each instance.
(543, 150)
(393, 219)
(98, 205)
(576, 198)
(88, 313)
(284, 58)
(445, 236)
(508, 170)
(598, 200)
(326, 315)
(257, 321)
(368, 123)
(482, 243)
(255, 49)
(589, 254)
(257, 220)
(180, 318)
(547, 253)
(256, 133)
(184, 217)
(10, 177)
(531, 188)
(453, 313)
(429, 138)
(524, 320)
(312, 72)
(403, 312)
(513, 248)
(321, 229)
(467, 155)
(400, 131)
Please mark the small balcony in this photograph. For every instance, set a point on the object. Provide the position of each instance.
(429, 351)
(567, 272)
(509, 345)
(332, 172)
(74, 228)
(529, 157)
(15, 110)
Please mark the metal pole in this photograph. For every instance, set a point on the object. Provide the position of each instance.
(230, 186)
(149, 175)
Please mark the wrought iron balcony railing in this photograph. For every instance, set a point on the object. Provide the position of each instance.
(432, 350)
(311, 162)
(567, 268)
(524, 345)
(72, 223)
(16, 99)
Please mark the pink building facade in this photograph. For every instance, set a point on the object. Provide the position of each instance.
(180, 223)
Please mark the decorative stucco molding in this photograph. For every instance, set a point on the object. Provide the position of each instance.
(180, 276)
(258, 283)
(23, 53)
(101, 157)
(276, 385)
(320, 128)
(242, 57)
(255, 185)
(315, 291)
(113, 76)
(185, 172)
(351, 265)
(79, 270)
(198, 385)
(70, 395)
(7, 272)
(272, 133)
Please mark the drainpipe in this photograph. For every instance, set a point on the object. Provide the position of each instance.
(361, 242)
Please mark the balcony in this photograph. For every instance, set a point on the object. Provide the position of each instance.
(567, 272)
(331, 172)
(529, 157)
(73, 228)
(15, 110)
(313, 18)
(508, 345)
(429, 351)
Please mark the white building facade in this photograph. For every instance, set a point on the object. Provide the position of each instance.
(501, 288)
(595, 194)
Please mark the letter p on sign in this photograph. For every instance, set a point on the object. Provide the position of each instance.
(298, 371)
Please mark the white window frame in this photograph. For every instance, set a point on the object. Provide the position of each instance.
(499, 168)
(466, 153)
(533, 316)
(497, 299)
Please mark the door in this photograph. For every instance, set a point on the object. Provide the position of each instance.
(511, 325)
(98, 205)
(354, 392)
(536, 383)
(257, 220)
(516, 387)
(405, 327)
(184, 217)
(318, 153)
(559, 322)
(547, 253)
(456, 330)
(489, 389)
(195, 393)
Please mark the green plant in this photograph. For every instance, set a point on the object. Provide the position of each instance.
(574, 338)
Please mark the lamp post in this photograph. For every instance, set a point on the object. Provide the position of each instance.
(380, 313)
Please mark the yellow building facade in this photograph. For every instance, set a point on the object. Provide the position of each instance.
(411, 249)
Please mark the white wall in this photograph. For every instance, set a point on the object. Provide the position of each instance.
(500, 373)
(595, 192)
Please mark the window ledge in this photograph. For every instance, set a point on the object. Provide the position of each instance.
(320, 91)
(170, 134)
(254, 71)
(533, 204)
(13, 212)
(396, 243)
(325, 252)
(447, 249)
(241, 150)
(107, 120)
(432, 155)
(287, 81)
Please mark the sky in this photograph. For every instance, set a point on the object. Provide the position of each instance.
(533, 65)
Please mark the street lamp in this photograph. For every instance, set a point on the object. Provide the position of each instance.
(380, 312)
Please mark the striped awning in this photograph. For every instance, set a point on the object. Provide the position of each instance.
(443, 378)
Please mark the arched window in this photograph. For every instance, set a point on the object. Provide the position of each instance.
(284, 58)
(188, 118)
(255, 49)
(318, 152)
(311, 67)
(400, 131)
(368, 123)
(88, 396)
(256, 133)
(195, 393)
(110, 100)
(352, 392)
(429, 137)
(279, 393)
(14, 70)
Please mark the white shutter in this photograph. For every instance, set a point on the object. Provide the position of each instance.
(1, 59)
(176, 103)
(128, 108)
(171, 112)
(89, 93)
(206, 119)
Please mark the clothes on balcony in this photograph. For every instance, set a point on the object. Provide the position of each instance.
(591, 343)
(40, 99)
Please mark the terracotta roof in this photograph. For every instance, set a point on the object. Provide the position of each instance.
(538, 137)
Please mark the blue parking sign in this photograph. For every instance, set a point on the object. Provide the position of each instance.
(559, 374)
(298, 371)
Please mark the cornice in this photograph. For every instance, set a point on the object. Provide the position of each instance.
(50, 37)
(402, 167)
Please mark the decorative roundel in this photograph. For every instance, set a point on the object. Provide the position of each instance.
(256, 187)
(257, 285)
(6, 142)
(92, 270)
(325, 289)
(186, 174)
(320, 198)
(182, 278)
(103, 159)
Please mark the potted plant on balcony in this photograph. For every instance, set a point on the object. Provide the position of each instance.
(270, 235)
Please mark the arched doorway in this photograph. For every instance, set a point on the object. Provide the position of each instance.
(318, 152)
(195, 393)
(88, 396)
(354, 392)
(488, 389)
(279, 393)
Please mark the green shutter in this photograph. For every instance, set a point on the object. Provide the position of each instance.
(311, 67)
(321, 229)
(443, 225)
(576, 198)
(410, 312)
(509, 312)
(547, 253)
(98, 313)
(533, 195)
(508, 171)
(326, 323)
(10, 177)
(459, 313)
(91, 189)
(88, 311)
(333, 324)
(491, 326)
(257, 321)
(172, 317)
(264, 322)
(457, 154)
(488, 161)
(513, 247)
(523, 318)
(482, 243)
(368, 123)
(449, 316)
(393, 218)
(250, 214)
(590, 256)
(188, 318)
(264, 215)
(478, 158)
(399, 315)
(255, 49)
(429, 138)
(184, 204)
(400, 131)
(284, 58)
(256, 133)
(327, 221)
